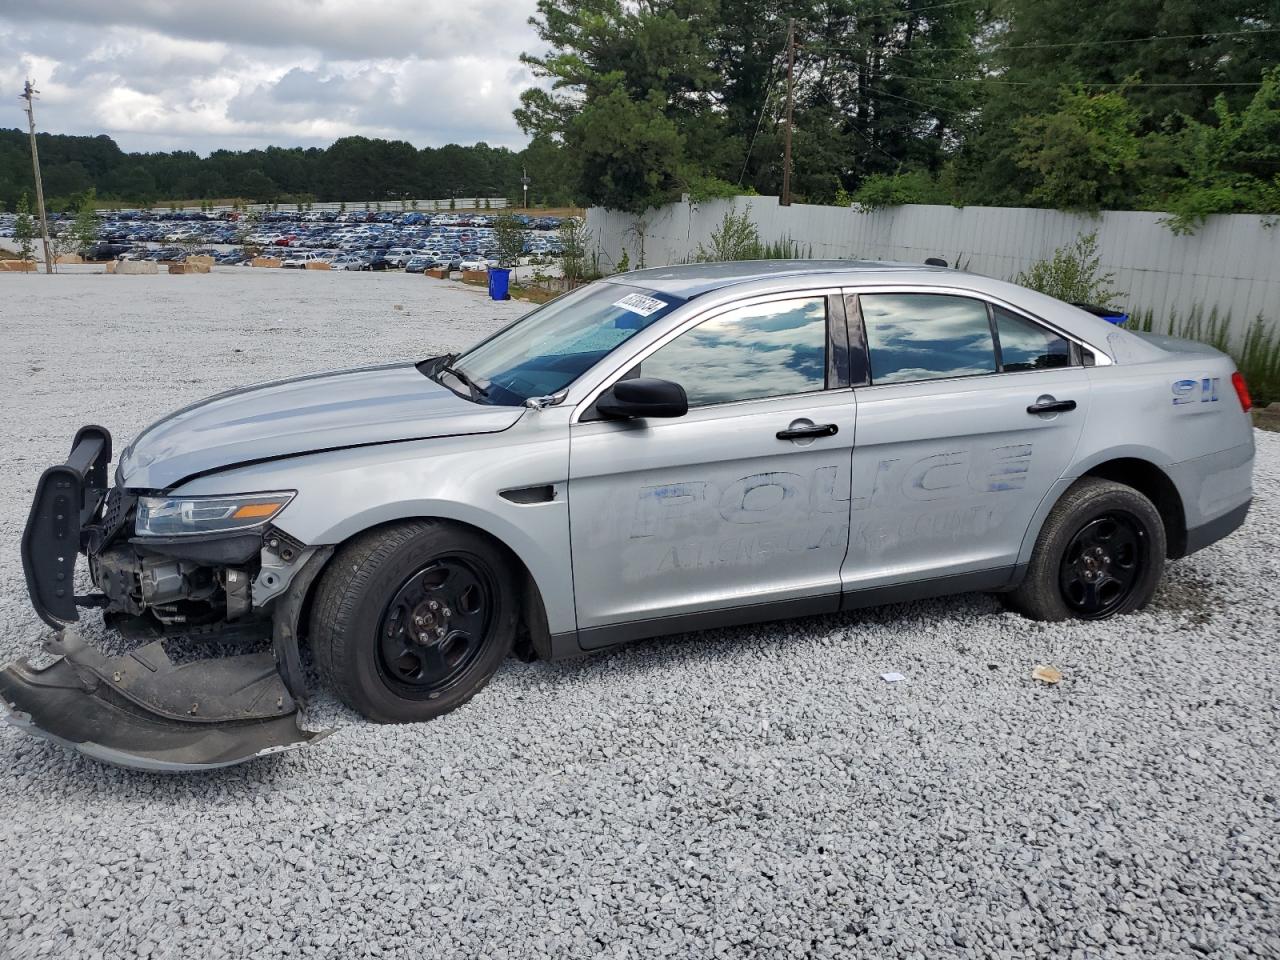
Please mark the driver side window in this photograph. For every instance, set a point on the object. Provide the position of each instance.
(766, 350)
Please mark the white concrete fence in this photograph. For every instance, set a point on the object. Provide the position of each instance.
(1231, 262)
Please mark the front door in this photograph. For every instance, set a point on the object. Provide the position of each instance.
(971, 414)
(715, 509)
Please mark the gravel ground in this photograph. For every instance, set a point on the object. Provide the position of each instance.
(756, 792)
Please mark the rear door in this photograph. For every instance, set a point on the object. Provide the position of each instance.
(968, 412)
(744, 500)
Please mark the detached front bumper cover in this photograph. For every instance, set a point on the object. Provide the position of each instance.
(142, 710)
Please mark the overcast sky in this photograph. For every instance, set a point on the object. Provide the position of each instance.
(164, 75)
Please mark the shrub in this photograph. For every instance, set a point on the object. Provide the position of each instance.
(1259, 361)
(881, 190)
(1073, 274)
(737, 238)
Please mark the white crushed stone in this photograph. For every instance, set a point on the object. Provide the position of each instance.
(754, 792)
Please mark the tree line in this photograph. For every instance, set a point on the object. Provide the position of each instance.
(1147, 104)
(351, 169)
(1156, 104)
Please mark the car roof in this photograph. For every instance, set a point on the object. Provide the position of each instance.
(689, 280)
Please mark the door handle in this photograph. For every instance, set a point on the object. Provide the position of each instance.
(1051, 406)
(810, 432)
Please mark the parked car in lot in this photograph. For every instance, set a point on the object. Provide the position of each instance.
(299, 260)
(105, 251)
(377, 260)
(664, 451)
(417, 264)
(474, 262)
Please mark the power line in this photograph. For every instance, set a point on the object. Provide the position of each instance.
(897, 161)
(764, 108)
(919, 63)
(1059, 46)
(1085, 83)
(936, 6)
(919, 103)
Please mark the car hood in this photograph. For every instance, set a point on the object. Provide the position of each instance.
(326, 411)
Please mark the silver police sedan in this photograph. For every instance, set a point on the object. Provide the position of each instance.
(667, 450)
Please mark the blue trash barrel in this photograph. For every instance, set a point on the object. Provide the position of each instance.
(499, 279)
(1109, 314)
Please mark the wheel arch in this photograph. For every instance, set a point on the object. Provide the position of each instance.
(1156, 485)
(1141, 468)
(533, 640)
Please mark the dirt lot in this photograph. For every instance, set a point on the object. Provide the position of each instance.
(755, 792)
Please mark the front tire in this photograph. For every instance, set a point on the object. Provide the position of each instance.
(411, 621)
(1100, 554)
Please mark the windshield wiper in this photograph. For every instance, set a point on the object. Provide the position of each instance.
(477, 391)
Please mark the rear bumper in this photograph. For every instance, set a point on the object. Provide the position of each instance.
(1214, 530)
(1216, 491)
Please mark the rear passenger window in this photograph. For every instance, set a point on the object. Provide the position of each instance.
(926, 336)
(1028, 346)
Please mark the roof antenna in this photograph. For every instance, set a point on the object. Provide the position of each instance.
(935, 262)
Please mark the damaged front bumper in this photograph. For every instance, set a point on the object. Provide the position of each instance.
(141, 709)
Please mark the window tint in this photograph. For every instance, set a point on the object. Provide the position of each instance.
(769, 350)
(925, 336)
(1028, 346)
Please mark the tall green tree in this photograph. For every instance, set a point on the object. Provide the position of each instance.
(1230, 164)
(1086, 154)
(629, 85)
(1170, 56)
(84, 229)
(24, 229)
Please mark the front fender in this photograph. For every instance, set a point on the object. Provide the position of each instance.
(341, 493)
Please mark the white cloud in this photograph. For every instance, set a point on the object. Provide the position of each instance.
(157, 76)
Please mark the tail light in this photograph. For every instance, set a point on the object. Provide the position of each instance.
(1242, 391)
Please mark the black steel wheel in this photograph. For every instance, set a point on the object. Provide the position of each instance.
(435, 626)
(1103, 564)
(1100, 553)
(410, 621)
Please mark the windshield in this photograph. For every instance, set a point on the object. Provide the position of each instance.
(545, 351)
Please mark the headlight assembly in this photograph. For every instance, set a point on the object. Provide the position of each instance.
(182, 516)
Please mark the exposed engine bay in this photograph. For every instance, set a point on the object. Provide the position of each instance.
(141, 709)
(191, 584)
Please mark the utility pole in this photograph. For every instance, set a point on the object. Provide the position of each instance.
(29, 94)
(524, 182)
(786, 149)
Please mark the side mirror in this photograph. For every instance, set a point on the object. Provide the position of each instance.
(643, 397)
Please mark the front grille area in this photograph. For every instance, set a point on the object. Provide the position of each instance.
(116, 511)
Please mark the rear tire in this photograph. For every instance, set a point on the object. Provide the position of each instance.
(1100, 554)
(410, 621)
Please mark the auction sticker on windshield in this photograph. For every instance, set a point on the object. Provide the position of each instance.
(639, 303)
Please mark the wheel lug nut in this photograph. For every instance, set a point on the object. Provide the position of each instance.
(446, 611)
(439, 631)
(419, 621)
(433, 605)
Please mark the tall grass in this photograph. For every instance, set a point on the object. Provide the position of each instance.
(1257, 355)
